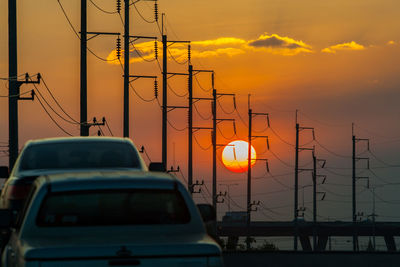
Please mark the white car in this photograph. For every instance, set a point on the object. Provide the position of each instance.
(110, 219)
(66, 154)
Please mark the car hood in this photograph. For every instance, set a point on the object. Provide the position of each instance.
(120, 246)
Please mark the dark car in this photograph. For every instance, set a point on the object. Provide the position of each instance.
(62, 155)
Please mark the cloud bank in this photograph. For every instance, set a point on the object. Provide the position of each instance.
(223, 46)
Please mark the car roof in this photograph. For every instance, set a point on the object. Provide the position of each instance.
(77, 139)
(102, 180)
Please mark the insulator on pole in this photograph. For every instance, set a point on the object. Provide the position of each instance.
(267, 165)
(234, 127)
(189, 52)
(156, 49)
(268, 121)
(98, 133)
(155, 11)
(267, 142)
(119, 6)
(155, 89)
(118, 47)
(234, 102)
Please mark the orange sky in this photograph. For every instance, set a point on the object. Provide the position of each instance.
(334, 61)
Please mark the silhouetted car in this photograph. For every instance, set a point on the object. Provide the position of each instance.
(110, 219)
(68, 154)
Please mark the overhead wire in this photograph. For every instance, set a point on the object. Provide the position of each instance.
(140, 14)
(198, 143)
(77, 35)
(101, 9)
(201, 116)
(48, 104)
(55, 100)
(201, 87)
(54, 121)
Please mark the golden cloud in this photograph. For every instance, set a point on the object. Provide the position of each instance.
(223, 46)
(345, 46)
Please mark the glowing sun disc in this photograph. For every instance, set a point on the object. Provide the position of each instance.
(235, 156)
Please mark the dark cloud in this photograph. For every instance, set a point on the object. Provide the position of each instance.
(269, 42)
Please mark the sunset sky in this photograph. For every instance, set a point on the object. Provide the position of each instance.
(336, 62)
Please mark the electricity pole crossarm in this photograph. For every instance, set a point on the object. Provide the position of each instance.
(222, 94)
(135, 77)
(305, 148)
(175, 107)
(306, 170)
(260, 114)
(201, 98)
(199, 71)
(367, 159)
(95, 34)
(29, 80)
(219, 120)
(137, 37)
(175, 42)
(172, 74)
(201, 128)
(95, 123)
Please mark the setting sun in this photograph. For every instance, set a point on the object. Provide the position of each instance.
(235, 156)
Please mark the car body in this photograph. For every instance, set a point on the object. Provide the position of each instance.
(66, 154)
(110, 218)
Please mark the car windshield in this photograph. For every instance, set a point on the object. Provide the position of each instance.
(79, 155)
(111, 207)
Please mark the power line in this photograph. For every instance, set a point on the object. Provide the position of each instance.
(140, 14)
(201, 116)
(108, 127)
(62, 129)
(101, 9)
(198, 143)
(201, 87)
(77, 35)
(47, 103)
(280, 138)
(55, 100)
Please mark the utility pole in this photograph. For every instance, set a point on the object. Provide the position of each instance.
(214, 140)
(84, 129)
(249, 180)
(165, 91)
(296, 186)
(249, 159)
(126, 70)
(164, 102)
(190, 120)
(354, 184)
(190, 130)
(14, 84)
(296, 180)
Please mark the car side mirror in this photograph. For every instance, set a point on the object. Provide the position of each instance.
(4, 172)
(157, 167)
(207, 212)
(7, 218)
